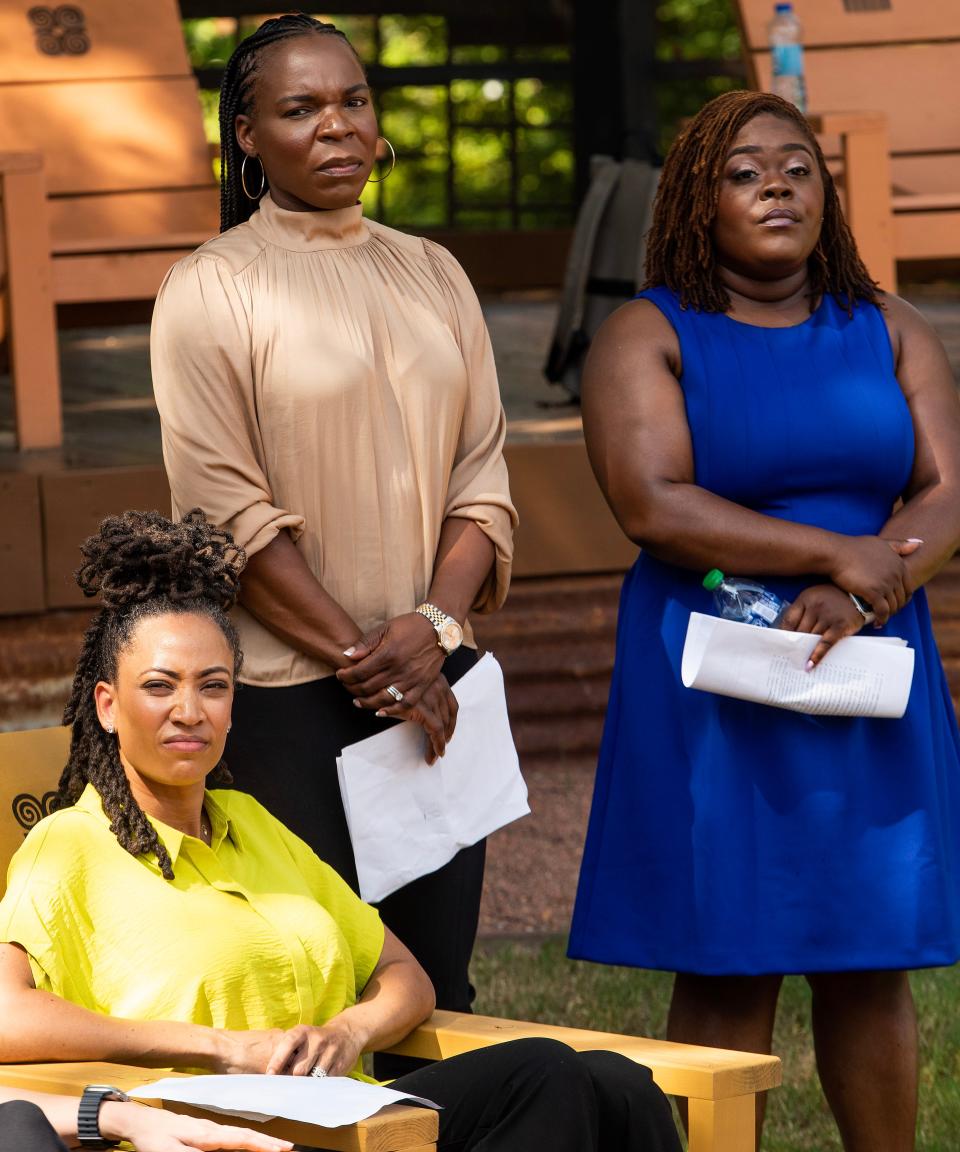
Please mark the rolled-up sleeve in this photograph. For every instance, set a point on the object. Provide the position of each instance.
(200, 354)
(479, 488)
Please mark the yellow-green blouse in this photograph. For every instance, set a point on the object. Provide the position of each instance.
(253, 932)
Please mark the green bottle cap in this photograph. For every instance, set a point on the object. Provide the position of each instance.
(713, 579)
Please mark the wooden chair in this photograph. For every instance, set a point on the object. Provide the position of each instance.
(888, 71)
(720, 1085)
(105, 174)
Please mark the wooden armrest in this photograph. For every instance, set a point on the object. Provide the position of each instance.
(679, 1069)
(398, 1128)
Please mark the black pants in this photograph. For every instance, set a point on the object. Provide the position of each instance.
(527, 1095)
(24, 1128)
(283, 749)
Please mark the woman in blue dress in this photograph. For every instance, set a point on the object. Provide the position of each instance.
(763, 408)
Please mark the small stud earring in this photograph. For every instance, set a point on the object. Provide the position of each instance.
(109, 729)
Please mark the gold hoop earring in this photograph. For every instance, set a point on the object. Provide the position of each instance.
(243, 179)
(393, 163)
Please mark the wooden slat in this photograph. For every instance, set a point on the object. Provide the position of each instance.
(679, 1069)
(926, 235)
(136, 134)
(120, 276)
(89, 223)
(126, 40)
(915, 86)
(828, 22)
(21, 545)
(34, 362)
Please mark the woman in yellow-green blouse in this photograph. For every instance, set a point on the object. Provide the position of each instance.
(152, 921)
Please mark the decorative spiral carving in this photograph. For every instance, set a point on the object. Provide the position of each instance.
(68, 17)
(28, 810)
(60, 30)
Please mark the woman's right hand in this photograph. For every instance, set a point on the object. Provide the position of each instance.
(154, 1130)
(873, 569)
(435, 712)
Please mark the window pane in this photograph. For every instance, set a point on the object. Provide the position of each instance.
(415, 195)
(480, 101)
(540, 104)
(481, 166)
(413, 40)
(415, 119)
(544, 166)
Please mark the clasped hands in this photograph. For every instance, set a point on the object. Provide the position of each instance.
(869, 567)
(404, 654)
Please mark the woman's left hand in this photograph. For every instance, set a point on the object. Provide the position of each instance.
(827, 611)
(335, 1048)
(403, 653)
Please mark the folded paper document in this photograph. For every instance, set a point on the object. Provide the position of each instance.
(408, 818)
(859, 676)
(330, 1102)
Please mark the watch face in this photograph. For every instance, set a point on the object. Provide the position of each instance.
(451, 636)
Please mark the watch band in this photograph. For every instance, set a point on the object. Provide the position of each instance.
(863, 608)
(448, 630)
(88, 1115)
(435, 615)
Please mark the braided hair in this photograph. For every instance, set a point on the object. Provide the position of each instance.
(141, 565)
(236, 99)
(680, 251)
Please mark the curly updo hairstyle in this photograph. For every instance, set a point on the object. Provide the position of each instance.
(680, 252)
(236, 99)
(141, 565)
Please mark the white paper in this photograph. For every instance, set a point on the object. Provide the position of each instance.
(408, 818)
(329, 1102)
(859, 676)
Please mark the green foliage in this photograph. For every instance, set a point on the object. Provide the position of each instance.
(693, 30)
(538, 982)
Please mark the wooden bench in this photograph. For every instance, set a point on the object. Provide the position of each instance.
(105, 175)
(720, 1085)
(883, 92)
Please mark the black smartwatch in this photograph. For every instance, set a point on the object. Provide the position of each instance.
(88, 1115)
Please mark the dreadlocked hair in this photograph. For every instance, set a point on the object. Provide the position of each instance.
(236, 99)
(141, 565)
(680, 252)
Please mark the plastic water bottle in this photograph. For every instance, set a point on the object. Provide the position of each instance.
(744, 600)
(786, 53)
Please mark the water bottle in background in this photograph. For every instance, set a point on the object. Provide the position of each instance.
(744, 600)
(786, 53)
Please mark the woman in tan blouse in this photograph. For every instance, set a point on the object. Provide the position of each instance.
(327, 393)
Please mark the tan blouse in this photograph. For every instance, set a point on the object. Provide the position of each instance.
(320, 372)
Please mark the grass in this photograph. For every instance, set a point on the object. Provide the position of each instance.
(538, 982)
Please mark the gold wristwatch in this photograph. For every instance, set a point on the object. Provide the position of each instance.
(449, 633)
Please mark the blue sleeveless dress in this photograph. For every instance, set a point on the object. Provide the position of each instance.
(728, 837)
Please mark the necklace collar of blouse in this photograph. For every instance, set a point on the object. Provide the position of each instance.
(310, 231)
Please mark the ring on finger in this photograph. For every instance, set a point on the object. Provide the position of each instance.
(317, 1072)
(395, 693)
